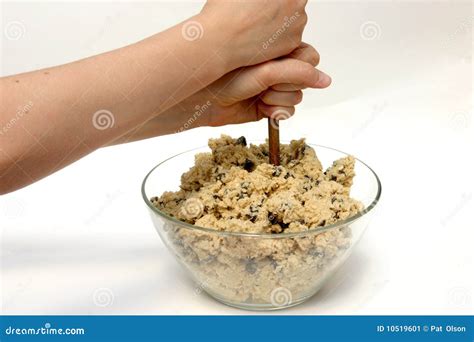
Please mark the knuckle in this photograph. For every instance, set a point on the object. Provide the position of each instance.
(298, 96)
(290, 110)
(315, 57)
(304, 18)
(306, 69)
(266, 74)
(292, 43)
(266, 96)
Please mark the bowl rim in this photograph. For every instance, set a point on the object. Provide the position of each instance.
(336, 225)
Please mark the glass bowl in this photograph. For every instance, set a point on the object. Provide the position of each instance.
(260, 271)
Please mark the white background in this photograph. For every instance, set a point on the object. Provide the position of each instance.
(401, 101)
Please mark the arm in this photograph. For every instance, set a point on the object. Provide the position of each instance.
(52, 117)
(243, 95)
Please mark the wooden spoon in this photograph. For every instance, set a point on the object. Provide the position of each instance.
(274, 141)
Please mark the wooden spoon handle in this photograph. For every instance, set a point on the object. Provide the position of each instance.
(274, 141)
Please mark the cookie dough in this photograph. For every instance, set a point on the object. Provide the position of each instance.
(234, 189)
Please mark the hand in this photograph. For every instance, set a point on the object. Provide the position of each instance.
(273, 87)
(244, 95)
(138, 84)
(256, 30)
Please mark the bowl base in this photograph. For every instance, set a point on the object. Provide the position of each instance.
(261, 307)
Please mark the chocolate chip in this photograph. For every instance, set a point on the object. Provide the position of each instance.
(241, 195)
(249, 165)
(251, 266)
(272, 218)
(276, 171)
(254, 208)
(241, 141)
(208, 260)
(316, 252)
(300, 152)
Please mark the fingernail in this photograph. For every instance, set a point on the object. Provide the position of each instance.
(324, 80)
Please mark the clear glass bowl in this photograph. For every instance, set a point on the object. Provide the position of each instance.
(260, 271)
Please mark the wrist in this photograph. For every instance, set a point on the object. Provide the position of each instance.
(219, 40)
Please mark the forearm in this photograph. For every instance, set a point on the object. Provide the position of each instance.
(190, 113)
(62, 107)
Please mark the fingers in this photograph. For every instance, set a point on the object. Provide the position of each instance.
(306, 53)
(281, 98)
(294, 87)
(276, 112)
(293, 71)
(247, 82)
(287, 87)
(325, 81)
(277, 104)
